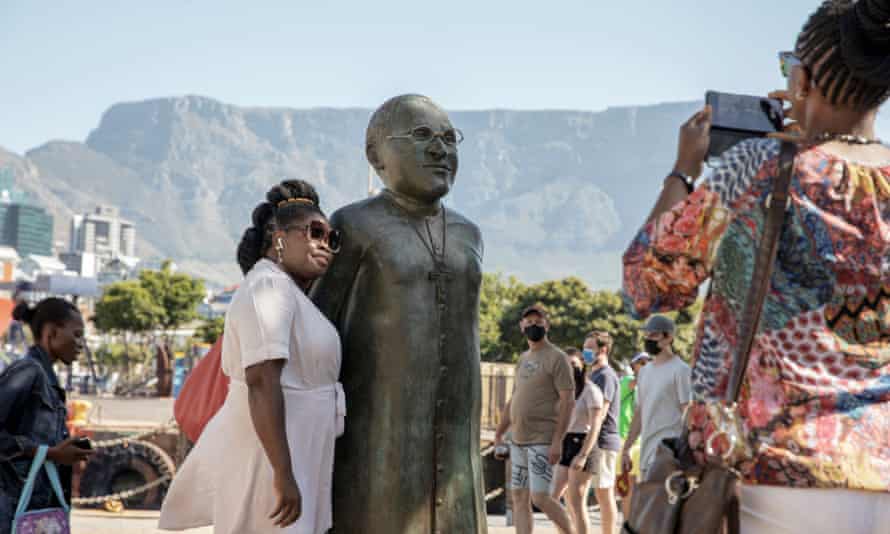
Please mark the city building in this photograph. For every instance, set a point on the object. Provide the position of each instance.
(26, 228)
(83, 263)
(34, 265)
(103, 233)
(118, 269)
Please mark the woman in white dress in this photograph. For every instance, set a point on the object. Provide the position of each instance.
(264, 463)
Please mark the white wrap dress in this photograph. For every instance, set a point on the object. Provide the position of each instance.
(226, 480)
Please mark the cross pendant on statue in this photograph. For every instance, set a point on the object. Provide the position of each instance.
(440, 276)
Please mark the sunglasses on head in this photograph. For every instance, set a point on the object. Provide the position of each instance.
(787, 61)
(320, 232)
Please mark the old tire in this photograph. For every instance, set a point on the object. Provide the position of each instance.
(124, 467)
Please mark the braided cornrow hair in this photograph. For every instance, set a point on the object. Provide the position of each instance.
(845, 45)
(288, 202)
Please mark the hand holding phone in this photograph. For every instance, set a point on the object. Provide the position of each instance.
(740, 117)
(693, 144)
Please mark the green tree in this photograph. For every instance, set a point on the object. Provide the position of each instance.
(569, 303)
(178, 295)
(126, 309)
(498, 293)
(210, 331)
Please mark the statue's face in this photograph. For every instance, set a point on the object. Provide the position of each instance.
(421, 170)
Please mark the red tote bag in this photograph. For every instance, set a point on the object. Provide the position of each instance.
(202, 394)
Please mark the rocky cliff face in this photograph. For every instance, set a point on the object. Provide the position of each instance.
(555, 192)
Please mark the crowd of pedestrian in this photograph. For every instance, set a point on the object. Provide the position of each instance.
(609, 438)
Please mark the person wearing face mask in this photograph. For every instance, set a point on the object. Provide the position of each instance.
(32, 407)
(604, 456)
(538, 414)
(573, 474)
(663, 392)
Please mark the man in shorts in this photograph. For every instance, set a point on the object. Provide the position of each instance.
(538, 414)
(663, 392)
(604, 453)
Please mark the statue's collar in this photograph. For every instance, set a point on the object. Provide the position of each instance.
(411, 206)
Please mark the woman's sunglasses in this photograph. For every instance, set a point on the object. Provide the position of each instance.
(321, 233)
(787, 61)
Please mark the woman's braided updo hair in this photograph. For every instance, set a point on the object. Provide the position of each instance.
(275, 212)
(846, 46)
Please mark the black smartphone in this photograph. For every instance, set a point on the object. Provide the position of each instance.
(735, 118)
(83, 443)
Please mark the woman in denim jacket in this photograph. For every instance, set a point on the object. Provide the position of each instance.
(32, 406)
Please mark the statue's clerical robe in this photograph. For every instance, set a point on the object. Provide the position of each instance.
(409, 461)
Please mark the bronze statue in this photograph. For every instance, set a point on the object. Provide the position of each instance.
(404, 294)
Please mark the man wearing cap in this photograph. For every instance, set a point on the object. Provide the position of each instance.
(663, 392)
(538, 413)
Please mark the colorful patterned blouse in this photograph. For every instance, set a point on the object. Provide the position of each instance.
(815, 401)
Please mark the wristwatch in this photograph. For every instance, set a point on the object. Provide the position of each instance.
(688, 181)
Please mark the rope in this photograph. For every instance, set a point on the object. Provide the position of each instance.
(81, 501)
(108, 443)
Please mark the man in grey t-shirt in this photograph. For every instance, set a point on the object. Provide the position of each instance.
(663, 392)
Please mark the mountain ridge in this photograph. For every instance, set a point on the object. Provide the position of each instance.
(555, 192)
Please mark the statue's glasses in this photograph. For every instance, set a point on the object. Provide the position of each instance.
(426, 134)
(320, 232)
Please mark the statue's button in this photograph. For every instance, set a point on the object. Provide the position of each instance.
(440, 436)
(443, 337)
(440, 468)
(440, 403)
(443, 369)
(440, 502)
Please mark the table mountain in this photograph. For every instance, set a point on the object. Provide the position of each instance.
(555, 192)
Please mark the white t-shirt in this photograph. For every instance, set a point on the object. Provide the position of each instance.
(662, 388)
(591, 398)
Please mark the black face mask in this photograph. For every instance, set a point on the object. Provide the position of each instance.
(651, 347)
(534, 332)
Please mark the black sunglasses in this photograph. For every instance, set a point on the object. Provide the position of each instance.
(321, 233)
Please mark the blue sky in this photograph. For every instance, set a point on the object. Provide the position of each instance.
(63, 63)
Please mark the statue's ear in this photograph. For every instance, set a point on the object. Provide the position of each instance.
(373, 156)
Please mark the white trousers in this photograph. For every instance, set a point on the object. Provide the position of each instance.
(777, 510)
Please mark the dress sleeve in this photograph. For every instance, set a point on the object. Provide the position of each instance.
(265, 323)
(672, 255)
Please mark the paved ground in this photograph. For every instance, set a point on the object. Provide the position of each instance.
(90, 522)
(150, 412)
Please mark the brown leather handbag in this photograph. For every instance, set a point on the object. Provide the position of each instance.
(679, 495)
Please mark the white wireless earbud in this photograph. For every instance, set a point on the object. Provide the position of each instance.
(280, 244)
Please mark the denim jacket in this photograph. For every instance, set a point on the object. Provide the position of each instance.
(32, 413)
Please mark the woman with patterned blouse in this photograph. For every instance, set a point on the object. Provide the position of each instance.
(815, 400)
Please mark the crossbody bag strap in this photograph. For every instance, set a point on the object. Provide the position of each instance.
(776, 206)
(28, 488)
(52, 474)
